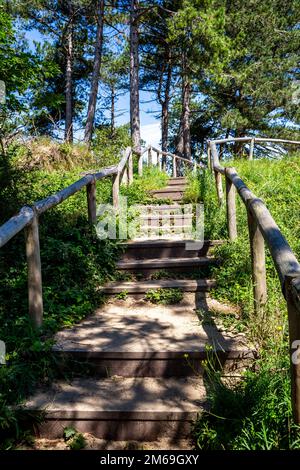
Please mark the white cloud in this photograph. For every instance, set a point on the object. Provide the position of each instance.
(151, 134)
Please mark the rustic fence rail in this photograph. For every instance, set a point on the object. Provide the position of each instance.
(263, 230)
(176, 163)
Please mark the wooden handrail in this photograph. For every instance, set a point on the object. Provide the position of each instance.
(263, 229)
(255, 139)
(160, 163)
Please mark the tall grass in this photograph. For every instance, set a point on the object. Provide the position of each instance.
(256, 414)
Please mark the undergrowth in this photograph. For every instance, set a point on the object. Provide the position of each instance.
(256, 413)
(75, 262)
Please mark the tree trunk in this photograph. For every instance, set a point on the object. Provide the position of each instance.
(112, 111)
(186, 132)
(165, 112)
(95, 75)
(183, 146)
(69, 77)
(134, 77)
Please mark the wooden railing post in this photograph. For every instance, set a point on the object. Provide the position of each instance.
(130, 168)
(257, 247)
(174, 167)
(251, 151)
(163, 164)
(150, 156)
(230, 207)
(91, 200)
(124, 178)
(160, 161)
(219, 187)
(116, 185)
(140, 164)
(293, 284)
(35, 294)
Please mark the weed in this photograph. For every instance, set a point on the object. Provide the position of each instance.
(164, 296)
(74, 439)
(122, 295)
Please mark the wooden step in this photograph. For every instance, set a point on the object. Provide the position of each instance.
(162, 263)
(133, 337)
(162, 217)
(172, 193)
(177, 181)
(177, 208)
(179, 227)
(138, 288)
(120, 408)
(167, 248)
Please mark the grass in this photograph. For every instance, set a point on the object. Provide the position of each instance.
(75, 262)
(256, 413)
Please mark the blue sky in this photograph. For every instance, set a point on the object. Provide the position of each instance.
(149, 109)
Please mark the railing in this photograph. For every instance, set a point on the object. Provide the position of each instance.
(263, 230)
(176, 164)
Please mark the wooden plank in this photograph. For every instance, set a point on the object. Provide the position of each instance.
(35, 295)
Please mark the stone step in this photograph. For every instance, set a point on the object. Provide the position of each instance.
(167, 248)
(138, 288)
(134, 338)
(120, 408)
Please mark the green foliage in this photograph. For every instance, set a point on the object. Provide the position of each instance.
(107, 149)
(138, 191)
(69, 432)
(74, 439)
(122, 295)
(164, 296)
(256, 413)
(74, 264)
(192, 193)
(253, 415)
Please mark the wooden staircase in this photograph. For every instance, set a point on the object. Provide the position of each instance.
(143, 362)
